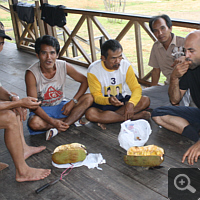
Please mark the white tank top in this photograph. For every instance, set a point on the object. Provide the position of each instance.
(50, 91)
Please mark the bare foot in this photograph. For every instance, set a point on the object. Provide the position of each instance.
(142, 115)
(32, 174)
(103, 126)
(3, 166)
(29, 150)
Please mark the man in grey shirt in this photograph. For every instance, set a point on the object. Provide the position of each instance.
(164, 54)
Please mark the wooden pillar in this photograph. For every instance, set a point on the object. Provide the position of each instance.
(139, 50)
(15, 22)
(48, 29)
(38, 17)
(91, 38)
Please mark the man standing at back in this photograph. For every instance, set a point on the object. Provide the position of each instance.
(165, 50)
(112, 72)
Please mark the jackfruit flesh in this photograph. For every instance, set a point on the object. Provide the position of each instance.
(150, 150)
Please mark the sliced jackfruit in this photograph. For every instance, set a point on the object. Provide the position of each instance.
(146, 156)
(69, 153)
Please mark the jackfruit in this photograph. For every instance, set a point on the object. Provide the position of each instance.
(146, 156)
(69, 153)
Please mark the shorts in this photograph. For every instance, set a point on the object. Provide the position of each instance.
(111, 107)
(191, 114)
(51, 111)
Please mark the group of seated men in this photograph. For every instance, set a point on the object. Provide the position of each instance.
(108, 100)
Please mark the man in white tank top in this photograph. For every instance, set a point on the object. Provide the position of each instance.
(45, 80)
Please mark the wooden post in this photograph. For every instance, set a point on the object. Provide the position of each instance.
(139, 49)
(38, 16)
(91, 39)
(14, 21)
(48, 29)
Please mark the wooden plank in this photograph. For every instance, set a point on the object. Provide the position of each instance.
(135, 17)
(120, 184)
(74, 61)
(38, 16)
(73, 33)
(138, 42)
(24, 33)
(147, 30)
(125, 30)
(48, 29)
(14, 23)
(35, 27)
(75, 41)
(91, 39)
(101, 28)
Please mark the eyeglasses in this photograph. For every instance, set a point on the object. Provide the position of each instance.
(1, 43)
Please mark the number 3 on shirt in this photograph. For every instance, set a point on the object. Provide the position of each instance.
(113, 81)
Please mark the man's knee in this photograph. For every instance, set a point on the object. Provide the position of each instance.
(146, 101)
(8, 118)
(91, 114)
(34, 123)
(87, 99)
(157, 119)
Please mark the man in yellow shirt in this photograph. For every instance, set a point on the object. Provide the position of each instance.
(113, 72)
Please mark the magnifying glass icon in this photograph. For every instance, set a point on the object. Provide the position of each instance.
(184, 183)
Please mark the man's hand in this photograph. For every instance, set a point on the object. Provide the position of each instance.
(30, 102)
(129, 111)
(115, 102)
(180, 69)
(22, 112)
(60, 125)
(178, 61)
(67, 108)
(192, 153)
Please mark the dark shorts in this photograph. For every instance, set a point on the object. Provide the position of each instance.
(111, 107)
(191, 114)
(52, 111)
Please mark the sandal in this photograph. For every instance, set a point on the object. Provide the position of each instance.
(53, 132)
(3, 166)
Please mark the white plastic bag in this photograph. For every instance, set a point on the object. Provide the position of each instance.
(134, 133)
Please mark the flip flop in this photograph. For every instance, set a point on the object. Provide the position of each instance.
(3, 166)
(54, 133)
(81, 122)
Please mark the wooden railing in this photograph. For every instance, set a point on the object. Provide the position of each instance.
(26, 34)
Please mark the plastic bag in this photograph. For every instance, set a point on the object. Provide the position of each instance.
(134, 133)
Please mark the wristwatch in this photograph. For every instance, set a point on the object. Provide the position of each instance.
(11, 96)
(75, 100)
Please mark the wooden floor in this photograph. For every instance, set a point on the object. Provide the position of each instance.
(116, 181)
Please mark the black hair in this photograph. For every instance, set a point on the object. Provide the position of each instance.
(155, 18)
(48, 40)
(113, 45)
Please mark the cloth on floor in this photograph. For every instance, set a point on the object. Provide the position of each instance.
(92, 160)
(158, 96)
(53, 15)
(25, 11)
